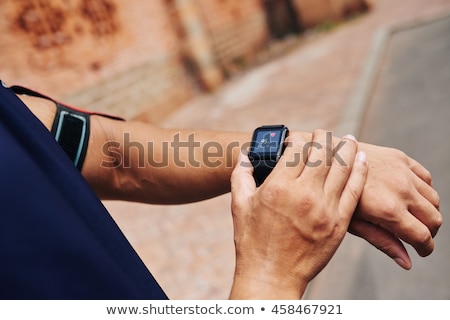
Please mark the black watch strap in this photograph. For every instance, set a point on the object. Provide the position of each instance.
(262, 168)
(266, 148)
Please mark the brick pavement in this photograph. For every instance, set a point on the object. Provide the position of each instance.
(189, 248)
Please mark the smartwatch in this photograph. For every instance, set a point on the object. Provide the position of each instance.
(266, 148)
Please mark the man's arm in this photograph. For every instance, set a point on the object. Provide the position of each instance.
(398, 202)
(161, 166)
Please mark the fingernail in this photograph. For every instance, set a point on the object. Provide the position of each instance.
(402, 263)
(361, 156)
(349, 137)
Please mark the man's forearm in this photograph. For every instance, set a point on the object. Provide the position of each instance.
(139, 162)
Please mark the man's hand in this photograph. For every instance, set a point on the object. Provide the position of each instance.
(398, 204)
(288, 229)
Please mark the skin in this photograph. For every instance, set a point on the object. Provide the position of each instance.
(285, 233)
(398, 202)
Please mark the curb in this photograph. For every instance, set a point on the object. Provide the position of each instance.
(351, 250)
(352, 117)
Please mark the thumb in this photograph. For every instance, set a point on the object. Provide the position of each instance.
(242, 182)
(354, 187)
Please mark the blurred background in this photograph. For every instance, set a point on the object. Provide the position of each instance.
(215, 64)
(146, 58)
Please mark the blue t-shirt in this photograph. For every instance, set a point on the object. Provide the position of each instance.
(57, 240)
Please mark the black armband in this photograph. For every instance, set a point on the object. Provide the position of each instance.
(71, 129)
(71, 126)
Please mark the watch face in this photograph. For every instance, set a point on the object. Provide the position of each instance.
(267, 142)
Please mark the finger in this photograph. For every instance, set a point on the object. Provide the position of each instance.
(341, 166)
(411, 230)
(292, 161)
(428, 192)
(421, 200)
(317, 151)
(423, 204)
(242, 182)
(383, 241)
(426, 213)
(420, 171)
(354, 187)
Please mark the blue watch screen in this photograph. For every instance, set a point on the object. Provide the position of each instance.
(267, 141)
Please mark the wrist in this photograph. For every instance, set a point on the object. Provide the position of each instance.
(266, 280)
(257, 287)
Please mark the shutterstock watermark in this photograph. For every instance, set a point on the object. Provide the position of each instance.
(193, 153)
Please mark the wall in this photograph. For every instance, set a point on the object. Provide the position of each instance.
(143, 58)
(108, 55)
(237, 29)
(314, 12)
